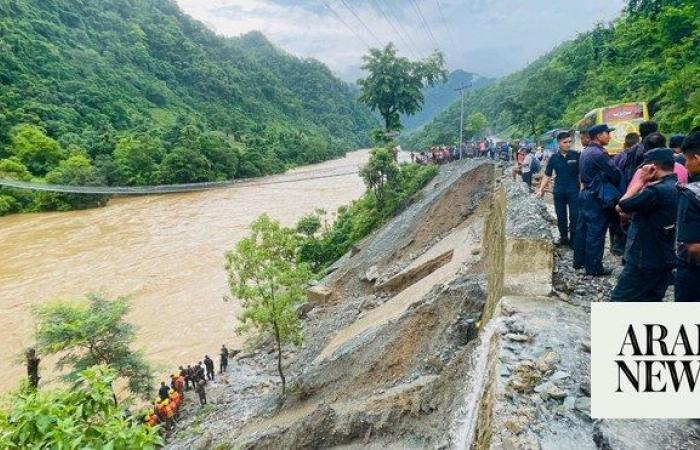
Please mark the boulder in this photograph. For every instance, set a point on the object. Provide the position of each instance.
(318, 295)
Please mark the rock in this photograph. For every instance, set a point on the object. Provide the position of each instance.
(476, 251)
(354, 250)
(370, 302)
(583, 404)
(516, 424)
(556, 392)
(585, 387)
(569, 402)
(585, 346)
(318, 295)
(505, 371)
(525, 377)
(371, 275)
(559, 375)
(518, 337)
(546, 362)
(541, 387)
(521, 443)
(435, 362)
(304, 309)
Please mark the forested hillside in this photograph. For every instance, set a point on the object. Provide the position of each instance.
(651, 53)
(437, 98)
(134, 92)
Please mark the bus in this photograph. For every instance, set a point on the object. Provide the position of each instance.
(624, 117)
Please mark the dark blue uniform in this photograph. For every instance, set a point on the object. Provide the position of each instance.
(566, 189)
(649, 254)
(687, 287)
(594, 166)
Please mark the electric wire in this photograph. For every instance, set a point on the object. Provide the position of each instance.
(341, 20)
(448, 29)
(424, 23)
(359, 19)
(398, 33)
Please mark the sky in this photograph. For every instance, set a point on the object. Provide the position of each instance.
(489, 37)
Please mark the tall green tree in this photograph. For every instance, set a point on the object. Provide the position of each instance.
(93, 332)
(394, 85)
(80, 417)
(379, 173)
(264, 272)
(38, 152)
(475, 124)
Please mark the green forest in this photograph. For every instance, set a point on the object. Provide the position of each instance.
(134, 92)
(651, 53)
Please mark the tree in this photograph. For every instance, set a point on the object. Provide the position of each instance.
(35, 149)
(185, 165)
(74, 171)
(264, 272)
(82, 416)
(394, 85)
(137, 158)
(379, 172)
(476, 124)
(86, 334)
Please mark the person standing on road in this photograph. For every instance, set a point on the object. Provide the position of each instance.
(687, 287)
(595, 167)
(566, 187)
(526, 168)
(649, 256)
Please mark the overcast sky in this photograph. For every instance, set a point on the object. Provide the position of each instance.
(489, 37)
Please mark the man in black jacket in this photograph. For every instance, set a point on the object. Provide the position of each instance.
(687, 287)
(209, 364)
(649, 255)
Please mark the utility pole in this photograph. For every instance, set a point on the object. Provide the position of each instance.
(461, 116)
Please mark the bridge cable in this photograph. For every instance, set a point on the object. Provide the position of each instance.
(157, 190)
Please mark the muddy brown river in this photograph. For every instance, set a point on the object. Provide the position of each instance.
(165, 252)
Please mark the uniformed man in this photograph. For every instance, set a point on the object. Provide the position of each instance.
(649, 254)
(595, 169)
(566, 187)
(687, 288)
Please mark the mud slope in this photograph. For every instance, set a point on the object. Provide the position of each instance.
(390, 337)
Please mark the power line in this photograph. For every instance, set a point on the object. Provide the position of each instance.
(448, 29)
(425, 24)
(396, 30)
(359, 19)
(337, 16)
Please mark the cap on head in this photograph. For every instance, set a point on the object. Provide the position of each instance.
(692, 142)
(598, 129)
(676, 141)
(663, 156)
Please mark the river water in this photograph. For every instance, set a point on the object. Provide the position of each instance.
(166, 252)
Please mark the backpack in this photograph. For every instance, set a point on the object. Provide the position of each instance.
(535, 166)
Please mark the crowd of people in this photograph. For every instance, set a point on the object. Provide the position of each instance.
(483, 148)
(646, 199)
(166, 407)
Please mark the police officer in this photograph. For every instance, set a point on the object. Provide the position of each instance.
(595, 168)
(566, 187)
(687, 288)
(649, 254)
